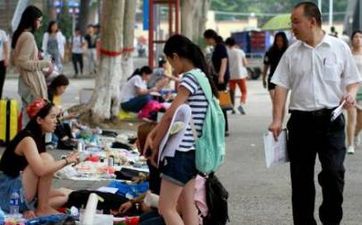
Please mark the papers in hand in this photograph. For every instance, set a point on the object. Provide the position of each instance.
(275, 151)
(338, 111)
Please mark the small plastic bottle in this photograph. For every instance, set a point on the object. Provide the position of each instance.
(14, 203)
(2, 217)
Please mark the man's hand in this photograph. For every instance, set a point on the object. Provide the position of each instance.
(350, 101)
(276, 128)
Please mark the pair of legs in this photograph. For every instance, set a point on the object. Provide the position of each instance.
(354, 125)
(351, 126)
(241, 83)
(358, 122)
(136, 104)
(34, 186)
(77, 58)
(176, 200)
(2, 77)
(311, 134)
(92, 60)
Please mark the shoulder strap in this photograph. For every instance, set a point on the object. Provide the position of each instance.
(204, 84)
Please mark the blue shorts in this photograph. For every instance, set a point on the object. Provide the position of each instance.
(7, 186)
(179, 169)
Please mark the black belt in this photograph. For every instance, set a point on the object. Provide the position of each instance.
(315, 113)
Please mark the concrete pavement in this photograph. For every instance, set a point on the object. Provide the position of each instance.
(258, 196)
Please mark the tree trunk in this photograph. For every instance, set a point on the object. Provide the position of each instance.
(83, 15)
(128, 34)
(204, 8)
(106, 95)
(187, 13)
(193, 18)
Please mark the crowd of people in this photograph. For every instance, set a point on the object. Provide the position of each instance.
(327, 74)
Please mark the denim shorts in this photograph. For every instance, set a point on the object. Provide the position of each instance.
(179, 169)
(7, 186)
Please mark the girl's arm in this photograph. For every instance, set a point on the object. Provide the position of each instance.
(265, 70)
(162, 127)
(224, 63)
(144, 91)
(28, 148)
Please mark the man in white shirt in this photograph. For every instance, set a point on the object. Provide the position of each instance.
(78, 44)
(4, 58)
(321, 74)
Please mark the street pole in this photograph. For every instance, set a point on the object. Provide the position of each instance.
(330, 13)
(320, 5)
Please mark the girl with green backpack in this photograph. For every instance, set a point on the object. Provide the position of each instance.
(178, 170)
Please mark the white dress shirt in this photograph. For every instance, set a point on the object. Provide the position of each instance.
(317, 77)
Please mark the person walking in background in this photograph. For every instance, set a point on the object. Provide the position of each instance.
(32, 83)
(354, 114)
(91, 40)
(321, 74)
(238, 72)
(271, 60)
(220, 63)
(53, 44)
(78, 45)
(4, 58)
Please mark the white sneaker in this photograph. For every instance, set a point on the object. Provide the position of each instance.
(350, 149)
(357, 141)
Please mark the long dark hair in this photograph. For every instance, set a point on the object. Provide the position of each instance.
(184, 48)
(211, 34)
(285, 42)
(28, 19)
(35, 128)
(143, 70)
(51, 23)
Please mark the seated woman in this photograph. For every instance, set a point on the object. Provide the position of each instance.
(135, 95)
(62, 137)
(27, 169)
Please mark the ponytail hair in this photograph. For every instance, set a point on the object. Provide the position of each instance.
(143, 70)
(186, 49)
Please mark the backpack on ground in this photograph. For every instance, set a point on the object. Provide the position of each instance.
(210, 147)
(217, 202)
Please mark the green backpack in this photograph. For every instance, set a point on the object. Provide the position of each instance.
(210, 147)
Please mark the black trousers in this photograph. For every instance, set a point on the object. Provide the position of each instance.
(2, 77)
(311, 134)
(77, 58)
